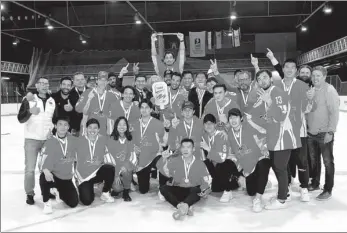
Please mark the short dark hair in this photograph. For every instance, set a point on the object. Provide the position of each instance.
(62, 118)
(289, 60)
(128, 87)
(169, 52)
(65, 78)
(111, 74)
(127, 133)
(176, 74)
(93, 121)
(140, 76)
(187, 72)
(220, 85)
(237, 71)
(262, 71)
(210, 118)
(305, 66)
(187, 140)
(146, 101)
(78, 73)
(234, 112)
(196, 75)
(212, 79)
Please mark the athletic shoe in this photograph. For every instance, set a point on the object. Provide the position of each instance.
(132, 187)
(55, 193)
(275, 204)
(126, 196)
(190, 211)
(30, 200)
(106, 197)
(304, 195)
(226, 197)
(312, 187)
(115, 194)
(161, 197)
(182, 210)
(324, 196)
(47, 207)
(257, 205)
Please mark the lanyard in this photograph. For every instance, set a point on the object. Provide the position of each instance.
(200, 95)
(126, 112)
(186, 127)
(240, 136)
(245, 99)
(92, 147)
(78, 93)
(63, 142)
(289, 89)
(103, 97)
(187, 168)
(211, 139)
(220, 110)
(173, 98)
(122, 140)
(143, 127)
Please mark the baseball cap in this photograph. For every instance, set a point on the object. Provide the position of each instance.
(210, 118)
(187, 104)
(234, 112)
(91, 79)
(103, 74)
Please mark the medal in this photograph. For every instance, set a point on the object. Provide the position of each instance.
(190, 128)
(186, 180)
(62, 142)
(187, 169)
(172, 98)
(92, 148)
(101, 104)
(245, 99)
(220, 111)
(289, 89)
(238, 135)
(126, 112)
(143, 127)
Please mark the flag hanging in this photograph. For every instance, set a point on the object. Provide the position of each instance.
(237, 37)
(197, 44)
(218, 40)
(209, 40)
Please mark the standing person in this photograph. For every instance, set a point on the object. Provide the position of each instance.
(322, 124)
(90, 170)
(62, 98)
(189, 127)
(122, 156)
(169, 61)
(198, 95)
(124, 107)
(58, 157)
(116, 82)
(149, 136)
(191, 180)
(38, 116)
(79, 83)
(249, 150)
(168, 76)
(219, 106)
(96, 102)
(91, 82)
(278, 134)
(115, 86)
(223, 170)
(141, 92)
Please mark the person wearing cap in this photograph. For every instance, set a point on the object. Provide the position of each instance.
(249, 151)
(278, 134)
(91, 82)
(56, 160)
(189, 126)
(223, 170)
(96, 102)
(90, 169)
(190, 180)
(219, 106)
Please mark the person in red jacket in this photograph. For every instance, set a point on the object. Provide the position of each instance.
(57, 157)
(91, 151)
(121, 154)
(191, 180)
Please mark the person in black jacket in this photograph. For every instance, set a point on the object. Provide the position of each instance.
(198, 95)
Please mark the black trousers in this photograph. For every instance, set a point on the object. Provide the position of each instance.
(144, 176)
(279, 163)
(224, 175)
(256, 182)
(175, 194)
(299, 157)
(66, 189)
(105, 174)
(163, 179)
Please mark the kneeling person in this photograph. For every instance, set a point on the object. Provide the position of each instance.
(191, 180)
(58, 156)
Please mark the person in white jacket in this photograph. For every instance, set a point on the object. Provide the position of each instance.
(37, 112)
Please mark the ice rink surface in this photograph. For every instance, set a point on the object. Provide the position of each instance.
(147, 213)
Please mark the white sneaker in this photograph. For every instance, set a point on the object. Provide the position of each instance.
(47, 207)
(55, 192)
(132, 187)
(304, 195)
(161, 197)
(226, 197)
(106, 197)
(257, 205)
(275, 205)
(242, 183)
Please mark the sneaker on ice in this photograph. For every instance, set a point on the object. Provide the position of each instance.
(132, 187)
(182, 210)
(47, 207)
(324, 196)
(161, 197)
(275, 204)
(55, 192)
(304, 195)
(257, 205)
(106, 197)
(190, 211)
(226, 197)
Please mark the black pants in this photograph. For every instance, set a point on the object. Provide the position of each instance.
(257, 180)
(144, 176)
(317, 147)
(66, 189)
(224, 175)
(175, 194)
(86, 189)
(163, 179)
(298, 157)
(279, 163)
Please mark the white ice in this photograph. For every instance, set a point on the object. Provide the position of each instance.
(147, 213)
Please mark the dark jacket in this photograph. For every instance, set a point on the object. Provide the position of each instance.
(76, 117)
(194, 98)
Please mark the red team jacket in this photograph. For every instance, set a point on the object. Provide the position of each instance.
(174, 106)
(116, 111)
(53, 159)
(219, 147)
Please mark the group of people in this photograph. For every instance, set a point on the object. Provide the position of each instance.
(209, 137)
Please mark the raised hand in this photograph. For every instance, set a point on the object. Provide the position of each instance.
(68, 107)
(265, 96)
(270, 54)
(175, 121)
(204, 145)
(35, 110)
(91, 95)
(180, 36)
(214, 66)
(154, 36)
(166, 123)
(123, 71)
(136, 68)
(254, 61)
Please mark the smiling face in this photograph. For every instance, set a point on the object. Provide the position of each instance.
(93, 130)
(145, 110)
(79, 81)
(235, 121)
(244, 81)
(289, 70)
(187, 149)
(66, 86)
(167, 79)
(62, 127)
(318, 78)
(188, 113)
(102, 82)
(140, 82)
(219, 93)
(210, 85)
(209, 127)
(122, 127)
(175, 82)
(200, 81)
(112, 81)
(305, 74)
(128, 95)
(169, 59)
(264, 81)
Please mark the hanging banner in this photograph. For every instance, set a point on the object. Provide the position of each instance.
(218, 40)
(209, 40)
(237, 37)
(197, 44)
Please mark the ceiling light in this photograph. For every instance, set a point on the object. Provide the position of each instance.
(327, 9)
(5, 78)
(233, 15)
(48, 24)
(137, 19)
(303, 28)
(16, 41)
(2, 7)
(83, 41)
(230, 32)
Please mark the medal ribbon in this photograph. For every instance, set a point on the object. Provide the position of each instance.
(143, 127)
(187, 168)
(63, 142)
(92, 147)
(190, 128)
(126, 112)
